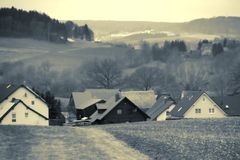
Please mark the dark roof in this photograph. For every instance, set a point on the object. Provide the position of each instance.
(15, 104)
(229, 104)
(111, 104)
(159, 107)
(7, 89)
(184, 104)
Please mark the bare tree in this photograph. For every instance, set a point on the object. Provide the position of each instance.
(101, 74)
(144, 78)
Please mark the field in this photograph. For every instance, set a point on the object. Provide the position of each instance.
(60, 56)
(62, 143)
(185, 139)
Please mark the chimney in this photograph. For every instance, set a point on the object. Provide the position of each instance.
(117, 97)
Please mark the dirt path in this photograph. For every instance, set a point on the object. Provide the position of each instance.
(66, 143)
(112, 147)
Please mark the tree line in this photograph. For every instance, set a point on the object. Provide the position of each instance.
(19, 23)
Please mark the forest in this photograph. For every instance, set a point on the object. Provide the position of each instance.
(23, 24)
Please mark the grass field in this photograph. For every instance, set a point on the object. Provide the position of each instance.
(185, 139)
(60, 56)
(62, 143)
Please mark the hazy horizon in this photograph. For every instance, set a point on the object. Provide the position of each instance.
(134, 10)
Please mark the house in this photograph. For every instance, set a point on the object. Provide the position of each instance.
(143, 99)
(19, 105)
(197, 105)
(229, 104)
(161, 109)
(85, 102)
(118, 110)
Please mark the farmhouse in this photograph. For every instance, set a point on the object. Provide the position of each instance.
(197, 105)
(118, 110)
(19, 105)
(85, 103)
(143, 99)
(161, 109)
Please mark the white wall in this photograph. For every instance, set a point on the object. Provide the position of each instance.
(38, 106)
(163, 116)
(204, 103)
(20, 110)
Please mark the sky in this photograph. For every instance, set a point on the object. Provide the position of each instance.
(130, 10)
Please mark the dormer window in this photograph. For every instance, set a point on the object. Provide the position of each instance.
(25, 95)
(33, 102)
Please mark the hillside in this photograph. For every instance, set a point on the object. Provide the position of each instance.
(60, 56)
(194, 30)
(19, 23)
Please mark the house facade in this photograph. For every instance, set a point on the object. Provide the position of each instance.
(197, 105)
(118, 111)
(19, 105)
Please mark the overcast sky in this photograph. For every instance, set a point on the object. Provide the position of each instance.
(139, 10)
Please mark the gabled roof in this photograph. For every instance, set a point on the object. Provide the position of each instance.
(159, 107)
(229, 104)
(85, 99)
(16, 102)
(111, 105)
(7, 90)
(103, 94)
(143, 99)
(184, 104)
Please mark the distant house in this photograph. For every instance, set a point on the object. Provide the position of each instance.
(229, 104)
(143, 99)
(206, 49)
(117, 110)
(85, 103)
(19, 105)
(161, 109)
(197, 105)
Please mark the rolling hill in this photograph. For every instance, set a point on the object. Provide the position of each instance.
(196, 29)
(61, 56)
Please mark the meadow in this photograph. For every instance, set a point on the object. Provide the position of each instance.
(179, 139)
(182, 139)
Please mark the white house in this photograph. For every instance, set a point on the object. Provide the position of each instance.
(197, 105)
(19, 105)
(161, 109)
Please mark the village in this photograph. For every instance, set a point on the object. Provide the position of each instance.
(20, 105)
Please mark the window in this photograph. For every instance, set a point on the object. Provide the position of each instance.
(32, 102)
(119, 111)
(203, 98)
(197, 110)
(211, 110)
(26, 114)
(135, 110)
(14, 117)
(25, 95)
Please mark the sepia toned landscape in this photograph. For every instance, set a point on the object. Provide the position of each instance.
(126, 80)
